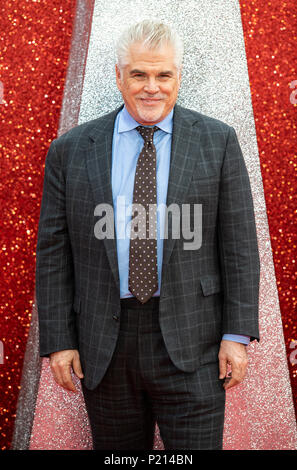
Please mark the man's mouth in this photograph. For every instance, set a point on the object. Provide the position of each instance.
(150, 101)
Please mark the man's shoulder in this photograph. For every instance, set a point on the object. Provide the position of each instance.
(209, 123)
(89, 128)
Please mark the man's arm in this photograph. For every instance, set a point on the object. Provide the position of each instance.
(54, 273)
(239, 256)
(238, 247)
(54, 267)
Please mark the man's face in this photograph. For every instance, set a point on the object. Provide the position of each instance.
(149, 83)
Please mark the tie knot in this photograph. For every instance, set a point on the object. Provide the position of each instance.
(147, 133)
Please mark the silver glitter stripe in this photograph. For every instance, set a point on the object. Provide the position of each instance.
(76, 66)
(29, 388)
(68, 118)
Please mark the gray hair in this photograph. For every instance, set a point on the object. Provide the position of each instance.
(152, 34)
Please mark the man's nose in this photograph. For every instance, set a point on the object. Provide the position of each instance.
(151, 86)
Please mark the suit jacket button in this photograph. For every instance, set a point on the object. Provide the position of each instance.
(115, 317)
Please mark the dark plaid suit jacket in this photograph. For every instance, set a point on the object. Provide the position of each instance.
(204, 293)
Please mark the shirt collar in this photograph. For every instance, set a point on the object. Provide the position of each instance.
(127, 122)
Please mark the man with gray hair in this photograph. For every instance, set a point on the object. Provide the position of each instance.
(149, 325)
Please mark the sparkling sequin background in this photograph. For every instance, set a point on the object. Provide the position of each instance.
(270, 32)
(34, 43)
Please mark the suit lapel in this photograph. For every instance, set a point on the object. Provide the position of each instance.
(99, 161)
(184, 150)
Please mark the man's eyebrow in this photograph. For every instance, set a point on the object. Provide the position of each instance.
(136, 71)
(166, 72)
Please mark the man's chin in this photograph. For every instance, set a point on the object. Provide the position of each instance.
(148, 115)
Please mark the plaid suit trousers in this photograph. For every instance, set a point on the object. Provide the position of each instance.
(142, 386)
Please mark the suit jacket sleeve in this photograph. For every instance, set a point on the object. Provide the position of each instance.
(238, 247)
(54, 264)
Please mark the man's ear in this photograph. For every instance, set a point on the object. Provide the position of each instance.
(118, 77)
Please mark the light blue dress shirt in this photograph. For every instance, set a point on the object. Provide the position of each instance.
(126, 147)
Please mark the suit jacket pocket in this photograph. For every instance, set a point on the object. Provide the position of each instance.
(211, 284)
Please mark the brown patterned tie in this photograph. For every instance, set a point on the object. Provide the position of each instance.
(143, 272)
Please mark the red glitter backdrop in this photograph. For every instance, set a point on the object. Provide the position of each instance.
(35, 43)
(270, 33)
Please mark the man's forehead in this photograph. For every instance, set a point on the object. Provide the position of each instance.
(164, 69)
(143, 64)
(143, 54)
